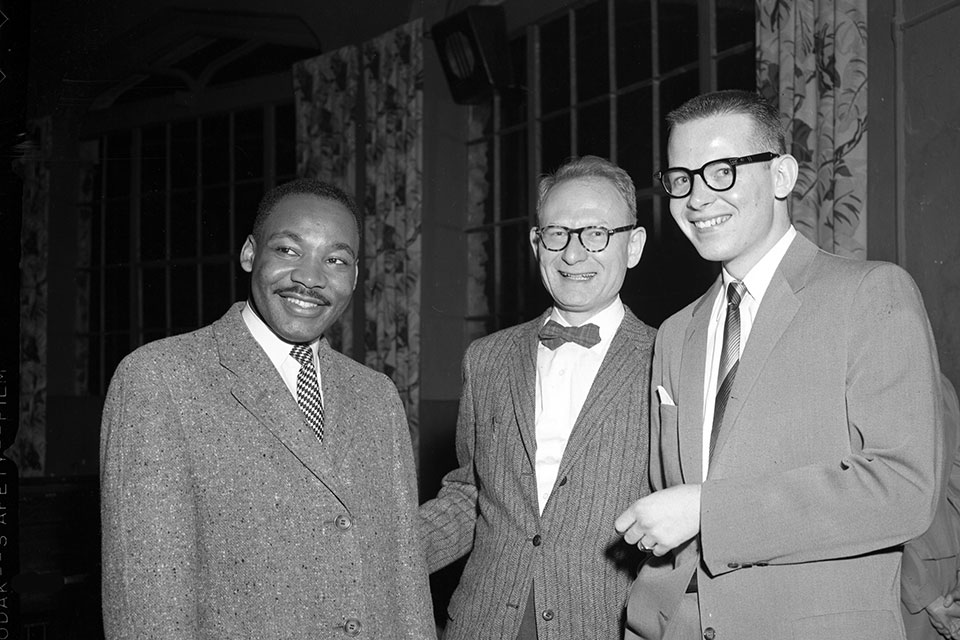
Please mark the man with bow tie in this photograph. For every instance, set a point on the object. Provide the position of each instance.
(552, 433)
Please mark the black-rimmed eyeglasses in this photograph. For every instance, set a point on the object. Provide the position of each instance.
(719, 175)
(556, 238)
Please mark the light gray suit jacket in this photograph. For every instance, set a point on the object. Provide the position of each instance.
(488, 506)
(224, 517)
(829, 457)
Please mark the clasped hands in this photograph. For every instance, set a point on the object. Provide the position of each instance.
(663, 520)
(944, 614)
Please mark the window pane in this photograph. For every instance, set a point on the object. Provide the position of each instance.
(593, 130)
(248, 144)
(216, 291)
(735, 23)
(116, 300)
(183, 154)
(154, 298)
(286, 129)
(593, 57)
(215, 155)
(555, 65)
(633, 41)
(183, 297)
(153, 166)
(514, 101)
(514, 176)
(737, 72)
(246, 199)
(634, 136)
(117, 164)
(555, 142)
(215, 222)
(153, 226)
(117, 241)
(94, 344)
(674, 92)
(183, 224)
(679, 32)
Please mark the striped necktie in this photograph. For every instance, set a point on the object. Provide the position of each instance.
(308, 391)
(729, 357)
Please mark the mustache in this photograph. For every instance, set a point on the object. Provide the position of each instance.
(303, 292)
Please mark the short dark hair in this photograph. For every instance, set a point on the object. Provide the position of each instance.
(303, 186)
(590, 167)
(768, 126)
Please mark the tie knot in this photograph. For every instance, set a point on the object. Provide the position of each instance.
(554, 334)
(735, 291)
(302, 354)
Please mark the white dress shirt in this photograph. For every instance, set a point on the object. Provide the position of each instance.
(756, 281)
(564, 378)
(279, 351)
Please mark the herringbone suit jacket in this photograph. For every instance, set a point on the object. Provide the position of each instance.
(224, 517)
(488, 506)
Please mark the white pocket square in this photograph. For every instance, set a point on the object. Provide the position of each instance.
(664, 397)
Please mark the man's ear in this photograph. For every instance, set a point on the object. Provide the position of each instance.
(638, 239)
(785, 176)
(534, 241)
(247, 253)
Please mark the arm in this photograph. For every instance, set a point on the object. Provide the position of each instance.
(448, 521)
(880, 494)
(147, 512)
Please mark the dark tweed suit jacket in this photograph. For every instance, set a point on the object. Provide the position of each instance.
(223, 517)
(488, 506)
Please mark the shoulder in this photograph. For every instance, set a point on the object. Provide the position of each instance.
(167, 353)
(360, 375)
(872, 280)
(504, 340)
(637, 330)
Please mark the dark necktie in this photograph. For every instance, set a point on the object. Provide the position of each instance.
(308, 391)
(729, 357)
(554, 334)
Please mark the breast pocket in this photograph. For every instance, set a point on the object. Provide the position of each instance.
(669, 443)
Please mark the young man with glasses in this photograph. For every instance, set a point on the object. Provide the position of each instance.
(552, 433)
(795, 425)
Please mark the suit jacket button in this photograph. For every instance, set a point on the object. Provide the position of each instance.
(733, 565)
(343, 522)
(709, 633)
(351, 627)
(547, 615)
(563, 481)
(537, 540)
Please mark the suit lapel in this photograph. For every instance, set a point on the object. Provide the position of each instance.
(777, 310)
(690, 400)
(260, 389)
(523, 380)
(615, 373)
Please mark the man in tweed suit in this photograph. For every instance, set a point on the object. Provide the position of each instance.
(552, 435)
(228, 511)
(784, 489)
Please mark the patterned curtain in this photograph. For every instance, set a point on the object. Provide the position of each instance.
(393, 91)
(812, 62)
(389, 106)
(325, 90)
(29, 451)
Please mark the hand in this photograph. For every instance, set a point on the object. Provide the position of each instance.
(945, 618)
(662, 520)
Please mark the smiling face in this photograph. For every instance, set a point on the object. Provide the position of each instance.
(735, 227)
(582, 283)
(303, 266)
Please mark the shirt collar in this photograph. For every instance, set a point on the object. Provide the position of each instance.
(758, 278)
(276, 349)
(608, 319)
